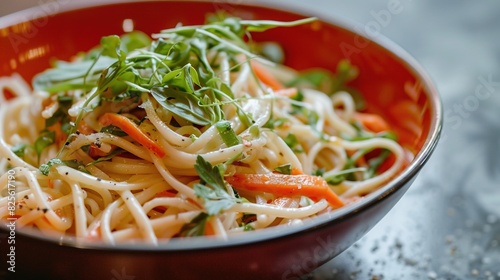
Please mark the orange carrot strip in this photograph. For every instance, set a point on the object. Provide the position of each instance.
(314, 187)
(166, 193)
(286, 92)
(265, 77)
(209, 229)
(95, 152)
(60, 136)
(373, 122)
(296, 171)
(361, 161)
(129, 127)
(84, 128)
(50, 184)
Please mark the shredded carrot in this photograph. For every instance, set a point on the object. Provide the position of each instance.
(209, 229)
(287, 92)
(84, 128)
(360, 161)
(314, 187)
(265, 77)
(129, 127)
(407, 158)
(167, 193)
(95, 152)
(60, 135)
(373, 122)
(296, 171)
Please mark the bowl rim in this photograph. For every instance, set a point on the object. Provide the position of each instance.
(269, 234)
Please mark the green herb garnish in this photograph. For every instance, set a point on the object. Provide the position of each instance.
(293, 142)
(284, 169)
(19, 149)
(227, 133)
(196, 227)
(45, 139)
(45, 168)
(212, 187)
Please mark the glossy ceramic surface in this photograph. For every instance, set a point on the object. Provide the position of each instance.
(392, 83)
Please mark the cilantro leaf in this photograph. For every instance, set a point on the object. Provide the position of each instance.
(209, 174)
(216, 200)
(45, 168)
(212, 187)
(196, 227)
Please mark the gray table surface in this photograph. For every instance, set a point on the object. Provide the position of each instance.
(447, 226)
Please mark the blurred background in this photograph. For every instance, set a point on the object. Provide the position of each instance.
(447, 226)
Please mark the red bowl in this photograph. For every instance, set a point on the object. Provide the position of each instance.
(392, 82)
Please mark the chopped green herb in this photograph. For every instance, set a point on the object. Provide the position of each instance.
(46, 139)
(227, 133)
(212, 187)
(292, 142)
(108, 157)
(114, 130)
(248, 227)
(284, 169)
(19, 149)
(65, 100)
(318, 172)
(196, 227)
(45, 168)
(343, 175)
(78, 165)
(375, 163)
(276, 123)
(335, 180)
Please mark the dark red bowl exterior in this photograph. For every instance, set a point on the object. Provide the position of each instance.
(390, 80)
